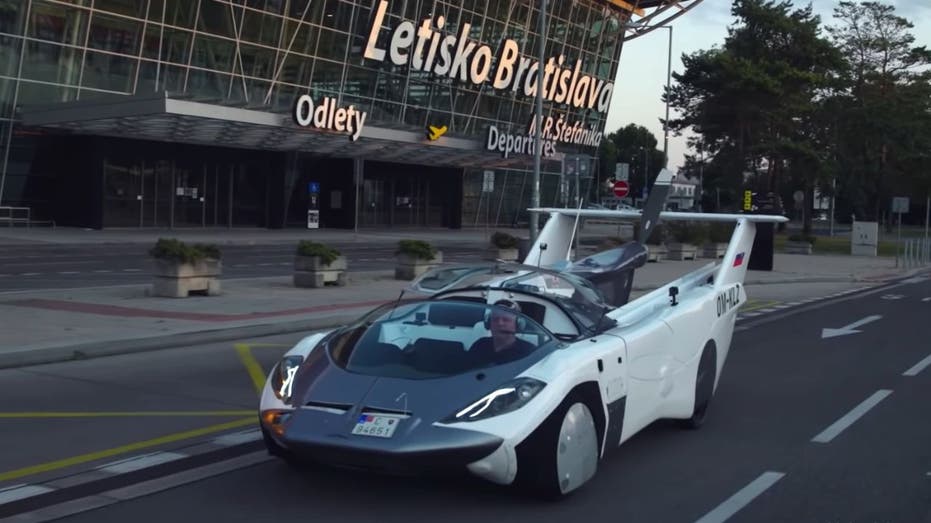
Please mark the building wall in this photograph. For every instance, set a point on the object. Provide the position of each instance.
(267, 53)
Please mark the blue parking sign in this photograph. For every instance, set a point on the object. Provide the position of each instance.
(313, 187)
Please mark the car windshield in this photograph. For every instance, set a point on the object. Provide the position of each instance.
(436, 338)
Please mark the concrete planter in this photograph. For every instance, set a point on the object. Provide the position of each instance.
(656, 253)
(179, 280)
(311, 272)
(409, 267)
(713, 250)
(495, 253)
(681, 251)
(797, 248)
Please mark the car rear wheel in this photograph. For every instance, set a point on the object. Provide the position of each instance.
(704, 388)
(562, 454)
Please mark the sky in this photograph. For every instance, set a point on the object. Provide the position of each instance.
(642, 73)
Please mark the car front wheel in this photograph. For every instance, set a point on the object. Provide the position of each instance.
(562, 454)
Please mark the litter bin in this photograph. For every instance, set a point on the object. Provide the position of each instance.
(761, 255)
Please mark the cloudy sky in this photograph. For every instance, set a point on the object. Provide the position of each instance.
(642, 72)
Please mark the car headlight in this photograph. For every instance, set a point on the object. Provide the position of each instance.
(283, 377)
(506, 398)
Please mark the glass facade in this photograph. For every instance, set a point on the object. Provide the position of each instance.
(263, 54)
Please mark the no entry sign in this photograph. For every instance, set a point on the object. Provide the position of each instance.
(621, 188)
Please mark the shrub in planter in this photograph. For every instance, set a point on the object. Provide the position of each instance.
(719, 235)
(415, 257)
(503, 247)
(656, 243)
(316, 264)
(799, 244)
(686, 236)
(182, 269)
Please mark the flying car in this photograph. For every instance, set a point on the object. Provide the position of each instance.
(525, 374)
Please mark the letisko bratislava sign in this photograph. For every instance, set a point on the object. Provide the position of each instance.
(436, 49)
(432, 47)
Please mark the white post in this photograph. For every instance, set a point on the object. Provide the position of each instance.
(927, 215)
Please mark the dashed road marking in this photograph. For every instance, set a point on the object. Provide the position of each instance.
(22, 491)
(69, 272)
(920, 366)
(140, 462)
(236, 438)
(124, 449)
(742, 498)
(851, 417)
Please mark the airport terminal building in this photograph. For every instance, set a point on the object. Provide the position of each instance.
(249, 113)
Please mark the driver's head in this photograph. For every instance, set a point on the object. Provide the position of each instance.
(504, 321)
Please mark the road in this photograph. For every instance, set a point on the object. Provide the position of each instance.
(808, 425)
(75, 266)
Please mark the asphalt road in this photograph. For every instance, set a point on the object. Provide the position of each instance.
(75, 266)
(804, 428)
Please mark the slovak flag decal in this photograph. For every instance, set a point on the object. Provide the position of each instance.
(739, 260)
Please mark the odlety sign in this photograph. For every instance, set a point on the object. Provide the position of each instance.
(328, 116)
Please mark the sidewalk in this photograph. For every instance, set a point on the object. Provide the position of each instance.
(56, 325)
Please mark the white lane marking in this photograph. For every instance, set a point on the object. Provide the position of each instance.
(926, 299)
(132, 270)
(29, 274)
(236, 438)
(69, 272)
(102, 270)
(22, 491)
(918, 279)
(920, 366)
(742, 498)
(848, 419)
(892, 296)
(140, 462)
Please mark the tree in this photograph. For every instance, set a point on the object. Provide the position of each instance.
(884, 131)
(750, 99)
(634, 145)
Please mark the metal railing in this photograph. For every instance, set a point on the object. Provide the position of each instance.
(15, 215)
(915, 253)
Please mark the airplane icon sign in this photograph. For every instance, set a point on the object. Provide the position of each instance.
(434, 133)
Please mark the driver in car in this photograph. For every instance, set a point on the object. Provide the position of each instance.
(503, 345)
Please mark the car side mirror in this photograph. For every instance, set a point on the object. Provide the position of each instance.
(673, 292)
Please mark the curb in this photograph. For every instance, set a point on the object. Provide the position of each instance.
(89, 350)
(97, 349)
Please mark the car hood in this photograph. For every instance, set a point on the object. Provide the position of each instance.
(323, 384)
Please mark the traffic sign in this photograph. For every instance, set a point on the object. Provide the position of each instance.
(748, 200)
(621, 188)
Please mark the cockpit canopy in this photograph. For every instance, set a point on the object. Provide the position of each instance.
(572, 294)
(436, 338)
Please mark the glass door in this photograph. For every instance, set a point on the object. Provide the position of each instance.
(374, 199)
(123, 195)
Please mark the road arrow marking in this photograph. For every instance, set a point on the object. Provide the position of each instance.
(848, 329)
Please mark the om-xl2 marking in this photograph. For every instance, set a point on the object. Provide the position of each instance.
(728, 299)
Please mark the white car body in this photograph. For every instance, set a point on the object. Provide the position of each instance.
(642, 369)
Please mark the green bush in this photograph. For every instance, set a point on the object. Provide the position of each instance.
(802, 238)
(720, 232)
(175, 250)
(689, 232)
(657, 235)
(326, 253)
(503, 240)
(610, 243)
(417, 248)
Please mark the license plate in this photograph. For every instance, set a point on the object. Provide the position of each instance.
(377, 426)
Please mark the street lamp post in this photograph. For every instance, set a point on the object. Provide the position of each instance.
(668, 85)
(538, 152)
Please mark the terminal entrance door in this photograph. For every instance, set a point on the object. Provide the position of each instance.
(399, 200)
(166, 193)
